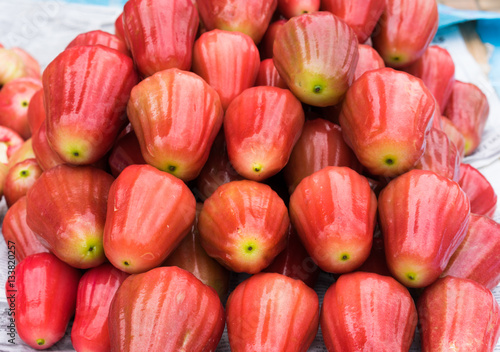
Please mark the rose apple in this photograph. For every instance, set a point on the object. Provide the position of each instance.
(316, 54)
(10, 142)
(454, 135)
(385, 119)
(25, 151)
(261, 126)
(291, 8)
(160, 33)
(369, 60)
(176, 116)
(424, 217)
(333, 211)
(12, 66)
(271, 312)
(243, 225)
(36, 111)
(154, 206)
(165, 309)
(119, 31)
(267, 43)
(125, 152)
(45, 156)
(66, 209)
(482, 196)
(268, 75)
(20, 179)
(31, 65)
(98, 37)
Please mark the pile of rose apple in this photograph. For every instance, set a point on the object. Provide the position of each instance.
(303, 151)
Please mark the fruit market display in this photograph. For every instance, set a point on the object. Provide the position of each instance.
(194, 172)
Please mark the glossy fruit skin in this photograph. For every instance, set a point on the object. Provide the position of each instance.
(482, 196)
(160, 34)
(98, 37)
(16, 230)
(291, 8)
(252, 234)
(86, 89)
(234, 73)
(251, 17)
(454, 135)
(156, 207)
(45, 156)
(459, 314)
(437, 70)
(477, 256)
(190, 255)
(119, 31)
(267, 43)
(368, 60)
(66, 209)
(36, 111)
(176, 116)
(316, 77)
(125, 152)
(96, 290)
(424, 217)
(385, 119)
(14, 102)
(333, 211)
(406, 29)
(468, 109)
(440, 156)
(361, 15)
(20, 179)
(269, 76)
(368, 312)
(261, 126)
(45, 291)
(272, 312)
(165, 309)
(321, 144)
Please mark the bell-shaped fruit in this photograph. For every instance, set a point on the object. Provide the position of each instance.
(268, 75)
(42, 291)
(96, 290)
(424, 218)
(190, 255)
(405, 30)
(250, 17)
(119, 31)
(477, 256)
(36, 111)
(45, 156)
(66, 209)
(368, 60)
(228, 61)
(125, 152)
(368, 312)
(320, 145)
(176, 116)
(271, 312)
(468, 109)
(149, 213)
(333, 211)
(385, 118)
(86, 90)
(291, 8)
(166, 309)
(437, 69)
(316, 54)
(482, 196)
(261, 126)
(243, 225)
(20, 179)
(17, 233)
(160, 33)
(458, 315)
(98, 37)
(361, 15)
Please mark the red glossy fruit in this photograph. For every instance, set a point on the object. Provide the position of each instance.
(17, 233)
(236, 72)
(261, 126)
(66, 209)
(20, 179)
(45, 156)
(291, 8)
(468, 109)
(165, 309)
(458, 314)
(269, 76)
(98, 37)
(160, 34)
(36, 111)
(251, 17)
(368, 312)
(361, 15)
(320, 145)
(333, 211)
(482, 196)
(156, 207)
(176, 116)
(369, 60)
(267, 43)
(406, 29)
(125, 152)
(86, 90)
(316, 54)
(477, 256)
(119, 31)
(96, 290)
(243, 225)
(454, 135)
(42, 291)
(271, 312)
(424, 217)
(385, 118)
